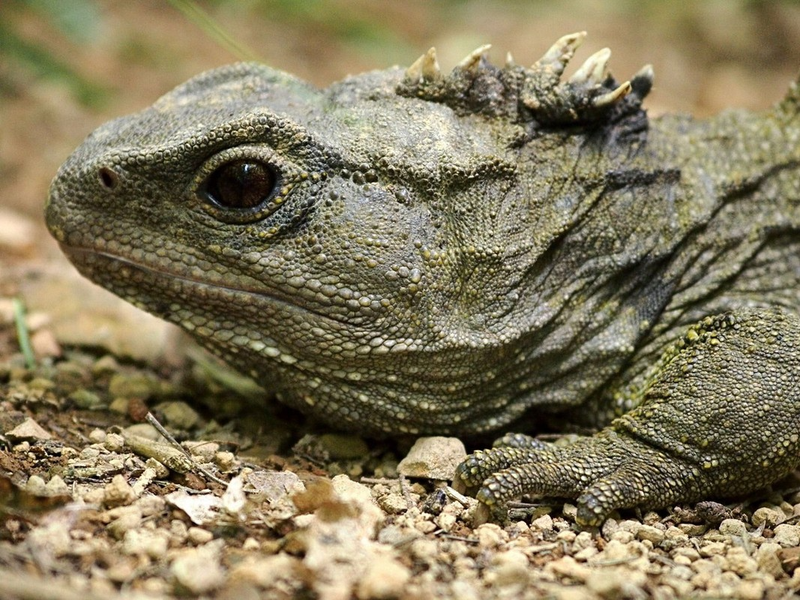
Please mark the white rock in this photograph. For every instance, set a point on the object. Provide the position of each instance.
(384, 578)
(768, 560)
(511, 568)
(198, 569)
(653, 534)
(28, 430)
(768, 516)
(145, 542)
(433, 458)
(740, 562)
(733, 527)
(274, 485)
(787, 535)
(118, 492)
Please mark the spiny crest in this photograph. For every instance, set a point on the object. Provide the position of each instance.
(534, 93)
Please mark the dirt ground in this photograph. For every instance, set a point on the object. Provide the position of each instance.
(93, 504)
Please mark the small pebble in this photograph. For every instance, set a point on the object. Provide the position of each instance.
(733, 527)
(105, 366)
(651, 534)
(136, 385)
(510, 568)
(198, 570)
(199, 536)
(446, 521)
(57, 487)
(570, 511)
(713, 549)
(274, 485)
(226, 461)
(620, 582)
(385, 578)
(341, 446)
(97, 436)
(787, 535)
(36, 486)
(490, 536)
(151, 505)
(128, 518)
(179, 415)
(769, 560)
(687, 552)
(141, 541)
(767, 516)
(543, 523)
(202, 449)
(250, 544)
(583, 540)
(118, 492)
(86, 399)
(114, 442)
(393, 503)
(740, 562)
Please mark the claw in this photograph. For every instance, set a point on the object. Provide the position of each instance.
(473, 59)
(458, 485)
(613, 96)
(481, 514)
(510, 62)
(561, 52)
(593, 71)
(425, 67)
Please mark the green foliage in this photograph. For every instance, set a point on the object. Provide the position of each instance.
(78, 20)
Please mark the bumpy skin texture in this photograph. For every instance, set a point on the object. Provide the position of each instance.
(406, 252)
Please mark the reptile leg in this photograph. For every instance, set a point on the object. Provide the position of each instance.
(719, 416)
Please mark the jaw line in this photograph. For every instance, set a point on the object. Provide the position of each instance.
(259, 296)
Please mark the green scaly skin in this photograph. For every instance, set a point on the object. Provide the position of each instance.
(456, 254)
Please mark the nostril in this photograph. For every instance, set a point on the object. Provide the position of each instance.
(108, 178)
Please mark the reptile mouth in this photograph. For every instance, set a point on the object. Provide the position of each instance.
(83, 258)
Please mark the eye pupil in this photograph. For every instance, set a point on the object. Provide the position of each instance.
(241, 184)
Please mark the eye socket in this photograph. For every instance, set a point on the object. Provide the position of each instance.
(242, 184)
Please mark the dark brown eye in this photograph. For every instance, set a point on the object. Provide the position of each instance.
(242, 184)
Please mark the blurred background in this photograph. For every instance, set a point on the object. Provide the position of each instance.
(68, 65)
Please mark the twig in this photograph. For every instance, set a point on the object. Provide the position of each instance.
(457, 497)
(457, 538)
(405, 491)
(172, 455)
(378, 480)
(193, 12)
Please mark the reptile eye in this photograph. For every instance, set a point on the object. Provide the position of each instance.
(242, 184)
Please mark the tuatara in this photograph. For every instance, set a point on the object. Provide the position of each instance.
(413, 252)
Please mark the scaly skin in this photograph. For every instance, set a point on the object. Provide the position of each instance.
(409, 252)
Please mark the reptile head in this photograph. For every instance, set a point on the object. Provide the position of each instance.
(339, 243)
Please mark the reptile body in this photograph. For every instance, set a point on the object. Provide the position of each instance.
(409, 252)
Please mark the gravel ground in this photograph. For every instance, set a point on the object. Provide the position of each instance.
(259, 502)
(95, 504)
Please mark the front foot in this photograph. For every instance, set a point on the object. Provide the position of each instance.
(719, 417)
(602, 473)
